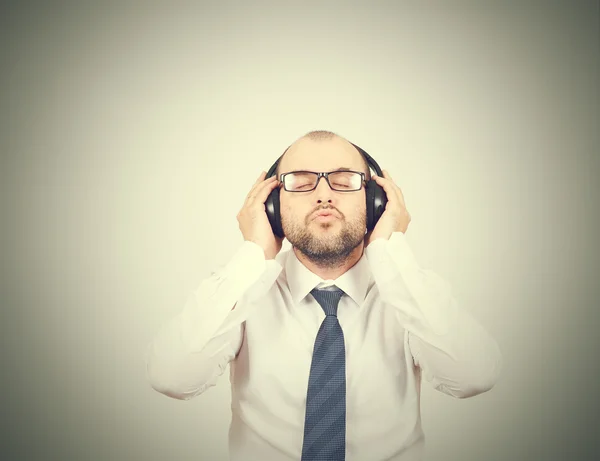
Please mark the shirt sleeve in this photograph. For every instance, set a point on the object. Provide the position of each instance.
(191, 350)
(454, 351)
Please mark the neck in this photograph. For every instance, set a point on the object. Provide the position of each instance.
(327, 272)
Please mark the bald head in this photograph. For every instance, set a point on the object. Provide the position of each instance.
(321, 137)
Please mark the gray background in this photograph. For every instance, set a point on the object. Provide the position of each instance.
(131, 132)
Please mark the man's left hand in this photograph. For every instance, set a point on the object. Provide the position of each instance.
(395, 218)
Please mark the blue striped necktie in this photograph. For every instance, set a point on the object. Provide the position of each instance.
(325, 420)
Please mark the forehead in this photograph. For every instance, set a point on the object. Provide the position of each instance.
(323, 155)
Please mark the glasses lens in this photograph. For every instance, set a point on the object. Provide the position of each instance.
(345, 180)
(300, 181)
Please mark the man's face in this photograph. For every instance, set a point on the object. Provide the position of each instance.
(327, 242)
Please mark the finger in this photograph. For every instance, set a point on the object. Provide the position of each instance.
(396, 188)
(388, 176)
(260, 176)
(390, 191)
(262, 191)
(259, 182)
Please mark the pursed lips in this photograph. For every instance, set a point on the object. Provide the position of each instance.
(324, 213)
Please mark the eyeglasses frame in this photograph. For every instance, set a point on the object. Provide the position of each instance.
(326, 176)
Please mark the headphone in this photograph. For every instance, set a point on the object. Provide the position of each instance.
(376, 198)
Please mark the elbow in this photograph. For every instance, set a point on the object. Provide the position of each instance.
(475, 379)
(176, 372)
(467, 388)
(169, 391)
(161, 373)
(175, 390)
(158, 375)
(487, 377)
(158, 381)
(164, 387)
(475, 388)
(176, 381)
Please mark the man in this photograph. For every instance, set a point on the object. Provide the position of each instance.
(327, 342)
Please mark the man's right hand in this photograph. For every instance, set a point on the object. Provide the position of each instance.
(252, 218)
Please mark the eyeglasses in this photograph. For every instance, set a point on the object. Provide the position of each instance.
(305, 181)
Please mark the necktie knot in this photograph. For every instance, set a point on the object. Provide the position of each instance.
(328, 299)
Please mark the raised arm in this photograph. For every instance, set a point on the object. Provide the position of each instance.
(456, 354)
(192, 350)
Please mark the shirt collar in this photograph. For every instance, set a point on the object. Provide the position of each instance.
(301, 280)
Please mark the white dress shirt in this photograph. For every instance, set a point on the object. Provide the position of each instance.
(400, 322)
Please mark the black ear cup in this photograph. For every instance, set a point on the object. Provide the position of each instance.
(272, 203)
(376, 200)
(272, 210)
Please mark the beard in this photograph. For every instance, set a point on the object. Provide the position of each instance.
(328, 249)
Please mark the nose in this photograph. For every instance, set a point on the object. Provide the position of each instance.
(323, 192)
